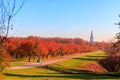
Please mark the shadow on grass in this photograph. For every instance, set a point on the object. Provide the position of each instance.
(67, 76)
(81, 74)
(64, 70)
(66, 73)
(103, 56)
(91, 58)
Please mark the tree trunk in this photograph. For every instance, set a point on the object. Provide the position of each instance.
(38, 58)
(29, 58)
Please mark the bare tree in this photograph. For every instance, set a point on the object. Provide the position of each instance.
(8, 9)
(117, 44)
(112, 61)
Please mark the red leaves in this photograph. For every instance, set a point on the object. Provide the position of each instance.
(46, 46)
(4, 56)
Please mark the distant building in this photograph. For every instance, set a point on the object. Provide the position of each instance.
(91, 38)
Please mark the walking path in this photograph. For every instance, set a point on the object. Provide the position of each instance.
(30, 65)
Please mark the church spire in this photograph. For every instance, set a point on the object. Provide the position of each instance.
(91, 38)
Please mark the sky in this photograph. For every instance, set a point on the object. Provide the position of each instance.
(68, 19)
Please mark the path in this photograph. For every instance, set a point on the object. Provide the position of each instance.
(30, 65)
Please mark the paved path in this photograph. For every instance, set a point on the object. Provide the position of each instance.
(30, 65)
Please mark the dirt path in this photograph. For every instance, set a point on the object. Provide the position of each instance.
(30, 65)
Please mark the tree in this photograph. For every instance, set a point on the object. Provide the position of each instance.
(116, 45)
(4, 58)
(37, 50)
(8, 9)
(112, 61)
(27, 48)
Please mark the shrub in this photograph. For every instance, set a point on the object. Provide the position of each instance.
(4, 59)
(111, 63)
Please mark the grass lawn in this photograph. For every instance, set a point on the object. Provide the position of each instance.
(81, 61)
(18, 62)
(64, 70)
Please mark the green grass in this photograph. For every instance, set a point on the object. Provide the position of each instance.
(81, 61)
(16, 63)
(21, 61)
(46, 74)
(64, 70)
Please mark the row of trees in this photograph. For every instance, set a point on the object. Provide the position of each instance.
(44, 47)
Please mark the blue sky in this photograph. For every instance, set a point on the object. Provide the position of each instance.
(68, 18)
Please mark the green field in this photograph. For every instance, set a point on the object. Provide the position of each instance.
(73, 69)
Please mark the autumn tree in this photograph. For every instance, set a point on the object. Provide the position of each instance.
(116, 45)
(4, 59)
(27, 47)
(8, 9)
(112, 61)
(37, 50)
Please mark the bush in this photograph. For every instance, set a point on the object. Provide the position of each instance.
(111, 63)
(4, 59)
